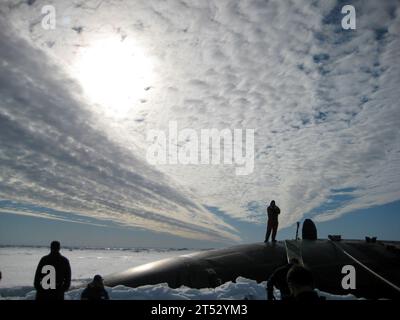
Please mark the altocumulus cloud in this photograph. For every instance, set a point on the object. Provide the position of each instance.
(52, 156)
(323, 101)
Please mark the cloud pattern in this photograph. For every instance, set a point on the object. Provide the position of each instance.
(323, 101)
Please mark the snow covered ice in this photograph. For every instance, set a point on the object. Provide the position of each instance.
(18, 266)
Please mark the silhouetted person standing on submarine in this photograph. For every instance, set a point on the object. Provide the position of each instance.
(53, 275)
(272, 224)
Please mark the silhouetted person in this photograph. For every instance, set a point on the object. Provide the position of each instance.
(52, 262)
(272, 224)
(95, 290)
(278, 279)
(301, 284)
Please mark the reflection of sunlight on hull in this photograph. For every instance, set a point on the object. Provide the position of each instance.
(114, 76)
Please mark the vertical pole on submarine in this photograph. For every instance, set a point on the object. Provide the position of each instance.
(297, 230)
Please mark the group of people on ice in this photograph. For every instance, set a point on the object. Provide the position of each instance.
(294, 281)
(62, 278)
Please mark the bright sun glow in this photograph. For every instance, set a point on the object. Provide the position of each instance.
(114, 75)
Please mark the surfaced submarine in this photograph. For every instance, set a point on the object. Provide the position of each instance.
(376, 265)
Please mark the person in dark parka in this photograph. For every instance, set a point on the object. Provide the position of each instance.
(301, 283)
(278, 279)
(272, 224)
(95, 290)
(62, 274)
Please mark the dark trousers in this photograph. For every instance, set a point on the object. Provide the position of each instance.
(271, 226)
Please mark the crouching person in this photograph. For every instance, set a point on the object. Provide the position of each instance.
(278, 279)
(95, 290)
(301, 283)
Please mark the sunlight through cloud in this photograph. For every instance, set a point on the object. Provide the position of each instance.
(114, 75)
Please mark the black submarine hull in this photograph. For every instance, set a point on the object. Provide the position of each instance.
(257, 261)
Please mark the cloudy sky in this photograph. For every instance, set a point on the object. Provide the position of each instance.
(77, 103)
